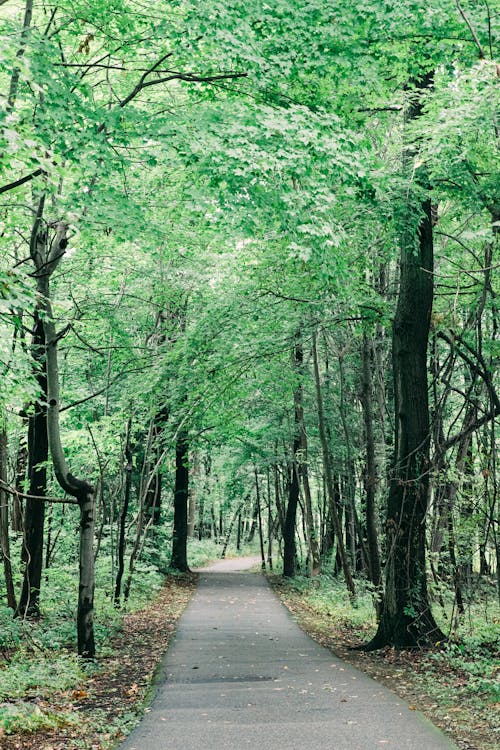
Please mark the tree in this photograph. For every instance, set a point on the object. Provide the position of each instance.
(406, 619)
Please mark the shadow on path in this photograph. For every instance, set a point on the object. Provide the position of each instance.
(240, 673)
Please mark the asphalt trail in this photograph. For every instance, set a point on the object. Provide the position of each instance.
(241, 674)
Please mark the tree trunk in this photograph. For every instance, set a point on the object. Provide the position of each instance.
(4, 522)
(312, 538)
(237, 515)
(407, 620)
(253, 525)
(14, 80)
(21, 470)
(46, 257)
(259, 515)
(289, 545)
(178, 560)
(123, 515)
(192, 502)
(329, 477)
(38, 453)
(370, 474)
(238, 535)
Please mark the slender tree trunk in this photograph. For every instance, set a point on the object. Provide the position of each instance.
(238, 535)
(237, 515)
(312, 538)
(277, 499)
(253, 526)
(259, 515)
(14, 80)
(4, 522)
(153, 496)
(178, 560)
(123, 515)
(214, 524)
(46, 257)
(370, 471)
(329, 477)
(192, 496)
(21, 470)
(270, 524)
(289, 544)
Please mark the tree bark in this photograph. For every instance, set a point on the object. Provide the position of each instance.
(370, 470)
(259, 515)
(329, 477)
(4, 522)
(312, 538)
(123, 515)
(14, 80)
(407, 620)
(178, 560)
(38, 453)
(46, 256)
(289, 545)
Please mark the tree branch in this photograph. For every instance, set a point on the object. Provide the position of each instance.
(472, 31)
(21, 181)
(43, 498)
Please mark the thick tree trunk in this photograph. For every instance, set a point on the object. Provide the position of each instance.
(178, 560)
(407, 620)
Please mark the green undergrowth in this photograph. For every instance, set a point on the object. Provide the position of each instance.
(30, 717)
(329, 597)
(38, 659)
(201, 552)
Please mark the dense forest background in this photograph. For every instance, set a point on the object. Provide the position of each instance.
(249, 300)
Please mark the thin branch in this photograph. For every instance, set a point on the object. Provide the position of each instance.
(43, 498)
(472, 31)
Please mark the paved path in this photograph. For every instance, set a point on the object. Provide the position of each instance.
(241, 674)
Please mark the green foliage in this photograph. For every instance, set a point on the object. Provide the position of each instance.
(329, 597)
(26, 717)
(11, 630)
(38, 674)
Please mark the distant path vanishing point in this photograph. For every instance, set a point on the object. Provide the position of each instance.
(240, 673)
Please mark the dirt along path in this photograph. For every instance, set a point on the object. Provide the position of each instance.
(240, 673)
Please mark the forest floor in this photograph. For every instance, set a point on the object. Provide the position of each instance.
(437, 687)
(103, 710)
